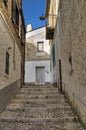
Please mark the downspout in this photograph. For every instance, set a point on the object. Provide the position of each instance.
(24, 62)
(59, 55)
(23, 67)
(21, 55)
(22, 59)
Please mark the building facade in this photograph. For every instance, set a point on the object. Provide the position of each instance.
(70, 40)
(51, 16)
(12, 44)
(37, 64)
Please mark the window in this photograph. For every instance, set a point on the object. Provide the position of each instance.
(40, 46)
(5, 2)
(7, 63)
(15, 13)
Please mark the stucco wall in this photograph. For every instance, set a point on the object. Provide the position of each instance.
(32, 38)
(30, 71)
(72, 24)
(35, 58)
(11, 43)
(7, 43)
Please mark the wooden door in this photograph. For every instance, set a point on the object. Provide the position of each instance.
(40, 75)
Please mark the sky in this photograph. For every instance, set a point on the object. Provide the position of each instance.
(32, 10)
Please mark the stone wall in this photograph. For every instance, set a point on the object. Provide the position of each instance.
(72, 26)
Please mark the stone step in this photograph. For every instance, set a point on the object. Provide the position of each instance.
(40, 86)
(39, 89)
(39, 92)
(37, 114)
(37, 105)
(35, 109)
(39, 96)
(46, 106)
(41, 125)
(38, 120)
(39, 108)
(38, 100)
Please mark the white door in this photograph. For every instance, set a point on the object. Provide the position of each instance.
(40, 75)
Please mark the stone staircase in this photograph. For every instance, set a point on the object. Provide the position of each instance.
(39, 108)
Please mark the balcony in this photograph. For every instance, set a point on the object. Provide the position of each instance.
(50, 26)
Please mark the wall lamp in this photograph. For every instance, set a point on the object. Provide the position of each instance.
(43, 17)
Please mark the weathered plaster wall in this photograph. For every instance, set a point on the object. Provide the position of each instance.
(72, 24)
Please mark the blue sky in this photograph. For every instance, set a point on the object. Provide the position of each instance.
(33, 9)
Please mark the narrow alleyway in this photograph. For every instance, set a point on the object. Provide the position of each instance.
(39, 108)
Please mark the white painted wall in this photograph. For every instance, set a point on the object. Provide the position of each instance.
(33, 37)
(38, 35)
(30, 74)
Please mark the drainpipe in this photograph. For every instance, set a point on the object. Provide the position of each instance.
(21, 56)
(60, 69)
(22, 59)
(23, 63)
(22, 49)
(59, 56)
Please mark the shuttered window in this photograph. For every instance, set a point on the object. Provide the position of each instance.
(15, 13)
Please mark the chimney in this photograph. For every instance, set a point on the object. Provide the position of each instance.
(29, 28)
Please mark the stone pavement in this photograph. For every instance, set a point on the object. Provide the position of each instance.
(39, 108)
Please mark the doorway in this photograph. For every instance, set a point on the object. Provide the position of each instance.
(40, 75)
